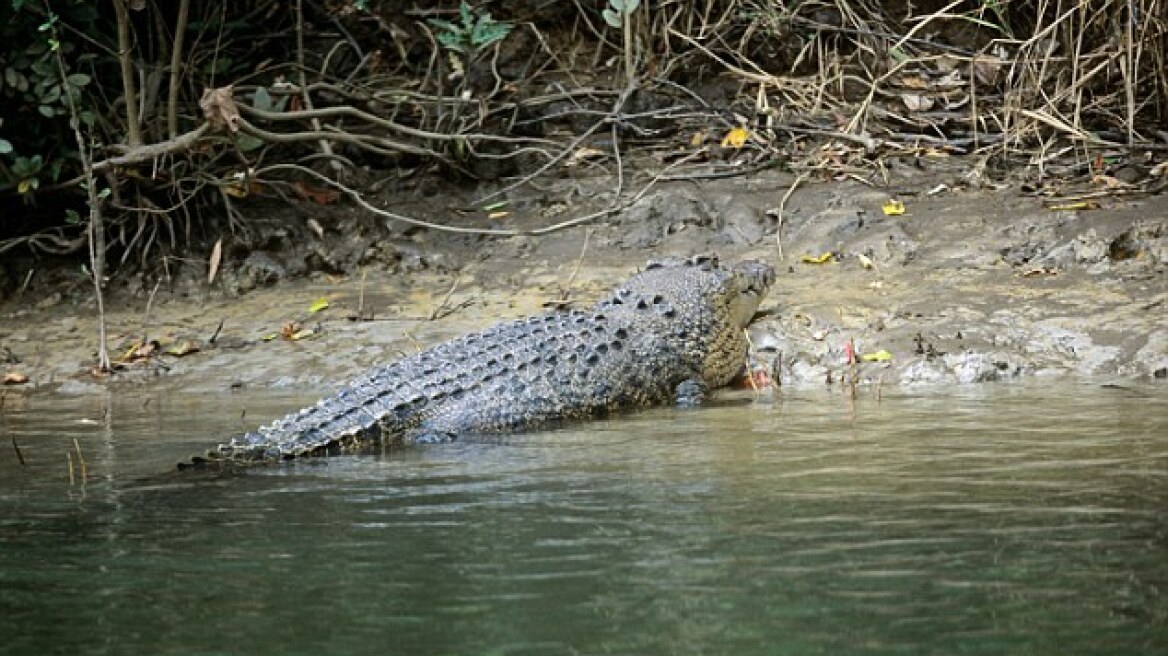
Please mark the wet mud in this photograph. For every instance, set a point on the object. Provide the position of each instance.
(966, 286)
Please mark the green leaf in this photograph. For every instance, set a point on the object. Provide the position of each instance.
(612, 18)
(262, 99)
(78, 79)
(248, 143)
(488, 31)
(5, 147)
(452, 41)
(51, 95)
(464, 11)
(46, 111)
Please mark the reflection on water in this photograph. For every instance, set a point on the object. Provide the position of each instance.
(987, 520)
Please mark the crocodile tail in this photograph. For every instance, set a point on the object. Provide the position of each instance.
(361, 413)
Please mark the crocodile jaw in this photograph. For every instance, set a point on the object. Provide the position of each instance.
(754, 279)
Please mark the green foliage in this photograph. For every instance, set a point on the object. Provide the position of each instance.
(617, 10)
(475, 32)
(261, 99)
(35, 97)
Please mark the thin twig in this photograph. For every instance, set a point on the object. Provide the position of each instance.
(81, 461)
(19, 454)
(782, 208)
(434, 313)
(567, 290)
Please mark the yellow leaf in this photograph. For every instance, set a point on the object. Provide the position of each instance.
(498, 215)
(865, 261)
(1081, 205)
(235, 190)
(24, 186)
(893, 207)
(302, 334)
(320, 304)
(878, 356)
(270, 336)
(698, 139)
(185, 347)
(216, 258)
(826, 257)
(579, 155)
(735, 138)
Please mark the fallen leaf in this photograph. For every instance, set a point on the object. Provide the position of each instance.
(138, 351)
(316, 228)
(1080, 205)
(318, 195)
(289, 329)
(916, 102)
(893, 207)
(15, 378)
(913, 81)
(270, 336)
(826, 257)
(216, 257)
(320, 304)
(582, 155)
(219, 109)
(735, 138)
(185, 347)
(698, 139)
(498, 215)
(878, 356)
(301, 334)
(755, 378)
(1110, 182)
(865, 261)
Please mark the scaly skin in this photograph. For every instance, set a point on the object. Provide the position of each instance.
(667, 335)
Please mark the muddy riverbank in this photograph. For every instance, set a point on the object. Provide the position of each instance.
(965, 286)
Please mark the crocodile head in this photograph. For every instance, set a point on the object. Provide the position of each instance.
(753, 279)
(700, 285)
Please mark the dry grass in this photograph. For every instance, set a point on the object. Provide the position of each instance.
(1057, 91)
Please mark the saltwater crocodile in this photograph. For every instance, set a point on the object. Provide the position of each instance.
(668, 334)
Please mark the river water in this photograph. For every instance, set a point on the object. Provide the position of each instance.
(995, 519)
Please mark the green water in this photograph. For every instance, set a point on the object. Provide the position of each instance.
(986, 520)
